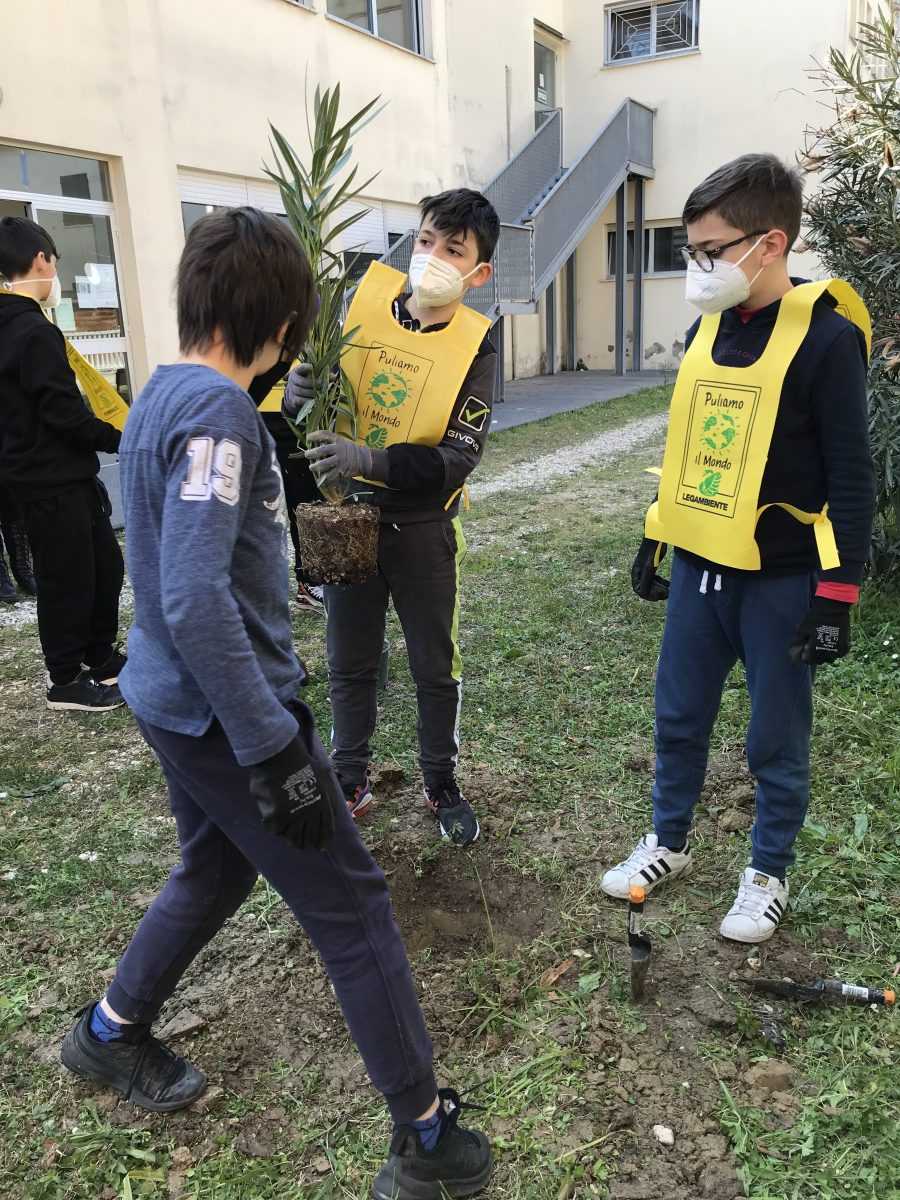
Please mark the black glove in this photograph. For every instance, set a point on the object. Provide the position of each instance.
(824, 633)
(295, 795)
(644, 579)
(299, 392)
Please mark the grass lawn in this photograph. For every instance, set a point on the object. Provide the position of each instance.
(572, 1076)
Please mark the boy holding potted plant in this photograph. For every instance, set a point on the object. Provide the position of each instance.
(422, 372)
(212, 680)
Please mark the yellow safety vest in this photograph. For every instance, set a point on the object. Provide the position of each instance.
(405, 383)
(272, 402)
(721, 422)
(105, 401)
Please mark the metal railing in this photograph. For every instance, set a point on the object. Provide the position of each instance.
(545, 211)
(526, 177)
(624, 146)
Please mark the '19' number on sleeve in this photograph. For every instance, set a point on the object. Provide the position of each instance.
(214, 469)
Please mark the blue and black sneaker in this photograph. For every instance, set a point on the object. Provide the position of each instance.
(137, 1065)
(455, 815)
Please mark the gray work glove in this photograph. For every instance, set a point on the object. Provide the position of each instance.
(299, 391)
(332, 456)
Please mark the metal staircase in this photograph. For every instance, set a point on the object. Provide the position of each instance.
(546, 209)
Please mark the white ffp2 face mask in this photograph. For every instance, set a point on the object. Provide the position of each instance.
(723, 287)
(53, 296)
(434, 282)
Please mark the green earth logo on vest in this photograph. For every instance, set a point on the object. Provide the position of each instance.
(719, 431)
(388, 389)
(376, 439)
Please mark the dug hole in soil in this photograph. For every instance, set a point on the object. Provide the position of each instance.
(338, 543)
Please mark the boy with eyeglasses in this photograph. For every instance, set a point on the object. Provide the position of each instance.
(767, 494)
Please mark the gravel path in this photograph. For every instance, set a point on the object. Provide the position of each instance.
(561, 463)
(24, 612)
(530, 475)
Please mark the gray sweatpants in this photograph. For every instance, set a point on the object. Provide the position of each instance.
(418, 568)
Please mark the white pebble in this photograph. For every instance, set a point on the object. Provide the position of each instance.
(664, 1135)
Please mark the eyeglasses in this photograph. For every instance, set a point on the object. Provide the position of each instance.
(706, 259)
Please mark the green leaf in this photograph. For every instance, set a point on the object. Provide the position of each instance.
(860, 826)
(590, 983)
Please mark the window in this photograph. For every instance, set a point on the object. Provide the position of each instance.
(662, 251)
(667, 244)
(397, 21)
(53, 174)
(191, 213)
(629, 251)
(636, 31)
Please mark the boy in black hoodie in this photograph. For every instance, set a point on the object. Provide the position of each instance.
(48, 453)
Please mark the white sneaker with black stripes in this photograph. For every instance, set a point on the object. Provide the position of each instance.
(761, 902)
(648, 865)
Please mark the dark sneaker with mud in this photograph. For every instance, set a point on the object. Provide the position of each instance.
(138, 1066)
(455, 815)
(459, 1165)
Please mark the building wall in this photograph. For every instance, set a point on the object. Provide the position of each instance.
(158, 85)
(162, 86)
(745, 90)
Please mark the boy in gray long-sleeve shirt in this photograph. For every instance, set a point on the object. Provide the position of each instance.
(212, 679)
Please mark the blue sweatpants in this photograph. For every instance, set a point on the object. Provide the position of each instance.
(709, 626)
(339, 896)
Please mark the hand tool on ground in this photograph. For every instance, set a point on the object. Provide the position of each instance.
(638, 942)
(823, 989)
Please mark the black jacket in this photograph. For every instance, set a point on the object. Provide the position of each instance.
(820, 444)
(48, 436)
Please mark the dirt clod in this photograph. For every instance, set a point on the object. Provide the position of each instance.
(210, 1097)
(711, 1009)
(770, 1075)
(735, 820)
(255, 1143)
(181, 1024)
(719, 1181)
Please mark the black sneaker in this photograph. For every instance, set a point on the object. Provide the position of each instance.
(459, 1165)
(8, 593)
(456, 818)
(108, 673)
(83, 694)
(138, 1066)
